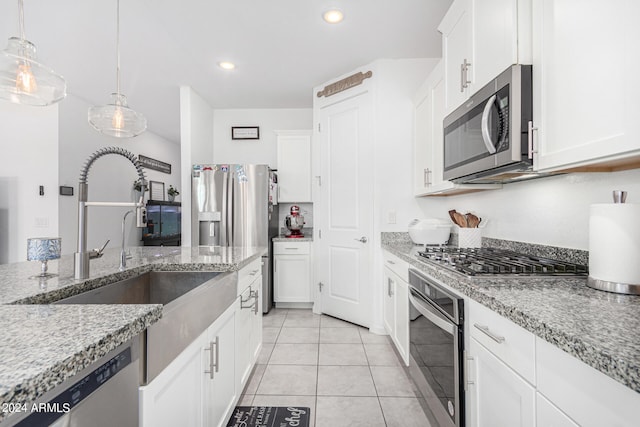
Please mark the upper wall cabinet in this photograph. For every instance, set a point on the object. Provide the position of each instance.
(294, 166)
(480, 39)
(585, 84)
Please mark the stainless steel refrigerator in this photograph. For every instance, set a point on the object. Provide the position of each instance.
(233, 205)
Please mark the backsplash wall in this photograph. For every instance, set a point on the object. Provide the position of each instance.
(548, 211)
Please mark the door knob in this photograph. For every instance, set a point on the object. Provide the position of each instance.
(361, 240)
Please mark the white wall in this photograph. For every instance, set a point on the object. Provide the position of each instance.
(549, 211)
(28, 159)
(264, 150)
(110, 178)
(196, 146)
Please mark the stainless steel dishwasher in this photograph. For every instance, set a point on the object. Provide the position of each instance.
(105, 394)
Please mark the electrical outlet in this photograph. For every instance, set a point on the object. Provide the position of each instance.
(391, 217)
(41, 222)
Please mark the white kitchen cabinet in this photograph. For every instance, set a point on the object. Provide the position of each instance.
(585, 104)
(480, 39)
(248, 321)
(294, 166)
(548, 415)
(244, 342)
(183, 393)
(389, 302)
(292, 272)
(256, 322)
(456, 53)
(174, 397)
(396, 303)
(588, 396)
(498, 397)
(428, 140)
(218, 371)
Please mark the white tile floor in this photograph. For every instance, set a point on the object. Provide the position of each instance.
(346, 375)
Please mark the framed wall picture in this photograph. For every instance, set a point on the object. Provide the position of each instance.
(156, 190)
(245, 132)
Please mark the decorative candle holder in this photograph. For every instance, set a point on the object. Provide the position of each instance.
(43, 249)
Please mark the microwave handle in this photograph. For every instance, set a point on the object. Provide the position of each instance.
(486, 135)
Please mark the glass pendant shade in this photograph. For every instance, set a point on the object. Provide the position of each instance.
(117, 119)
(23, 80)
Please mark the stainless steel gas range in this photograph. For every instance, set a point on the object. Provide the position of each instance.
(436, 327)
(487, 262)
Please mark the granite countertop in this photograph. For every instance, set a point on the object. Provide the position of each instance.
(282, 237)
(599, 328)
(43, 345)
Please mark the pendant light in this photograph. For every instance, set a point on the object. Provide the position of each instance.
(116, 118)
(23, 80)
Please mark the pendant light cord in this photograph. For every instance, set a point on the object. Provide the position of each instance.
(21, 18)
(117, 49)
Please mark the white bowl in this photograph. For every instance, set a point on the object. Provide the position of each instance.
(430, 231)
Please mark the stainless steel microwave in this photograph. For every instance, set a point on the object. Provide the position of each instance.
(488, 138)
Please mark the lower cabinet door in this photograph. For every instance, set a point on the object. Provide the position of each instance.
(402, 320)
(498, 396)
(389, 302)
(244, 330)
(218, 367)
(548, 415)
(174, 397)
(256, 324)
(292, 278)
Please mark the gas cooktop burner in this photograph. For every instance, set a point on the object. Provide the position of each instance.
(489, 261)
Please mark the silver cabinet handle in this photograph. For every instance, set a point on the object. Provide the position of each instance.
(391, 262)
(255, 302)
(462, 77)
(389, 287)
(429, 172)
(465, 68)
(424, 177)
(292, 249)
(362, 240)
(254, 272)
(487, 332)
(250, 297)
(530, 129)
(214, 356)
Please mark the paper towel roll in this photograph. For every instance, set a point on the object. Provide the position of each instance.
(614, 243)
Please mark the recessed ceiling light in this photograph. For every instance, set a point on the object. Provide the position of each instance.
(333, 16)
(225, 65)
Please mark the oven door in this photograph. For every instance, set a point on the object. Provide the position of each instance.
(436, 356)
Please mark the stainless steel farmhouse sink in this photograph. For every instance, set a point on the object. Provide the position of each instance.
(154, 287)
(192, 300)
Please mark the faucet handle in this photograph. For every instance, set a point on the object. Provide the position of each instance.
(97, 253)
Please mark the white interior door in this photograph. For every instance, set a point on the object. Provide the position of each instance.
(345, 209)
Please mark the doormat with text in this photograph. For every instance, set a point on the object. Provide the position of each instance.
(269, 416)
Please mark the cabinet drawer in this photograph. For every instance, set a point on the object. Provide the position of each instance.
(509, 342)
(248, 274)
(588, 396)
(395, 264)
(291, 248)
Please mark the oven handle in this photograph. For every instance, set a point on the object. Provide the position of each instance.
(430, 313)
(486, 135)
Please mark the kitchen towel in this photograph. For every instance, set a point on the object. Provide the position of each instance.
(614, 242)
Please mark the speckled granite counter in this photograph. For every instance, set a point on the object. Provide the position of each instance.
(599, 328)
(43, 345)
(308, 236)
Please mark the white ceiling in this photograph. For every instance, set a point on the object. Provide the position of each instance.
(281, 48)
